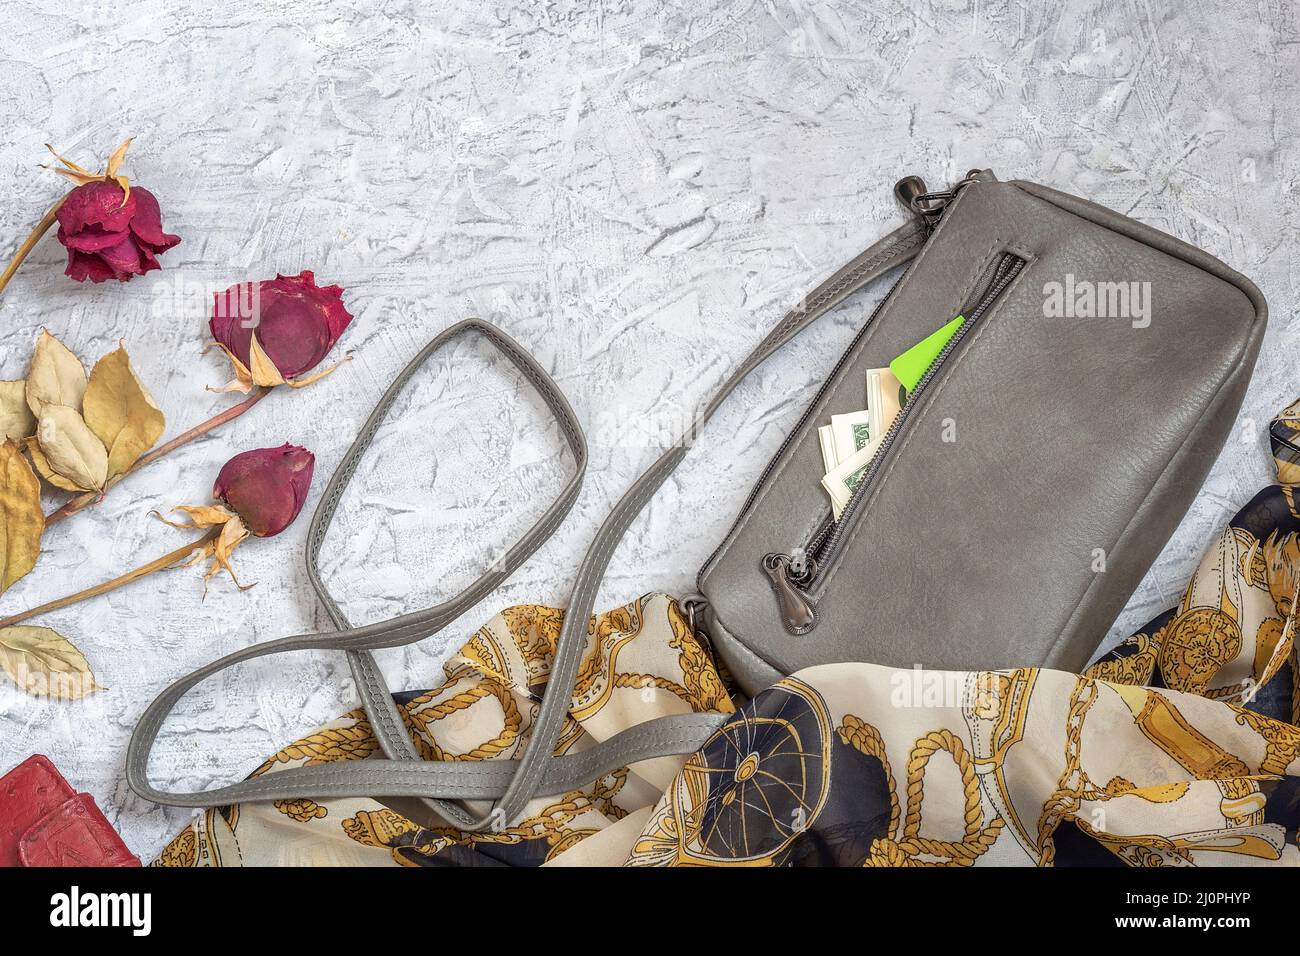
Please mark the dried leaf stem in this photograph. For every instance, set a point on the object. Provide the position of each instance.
(30, 242)
(159, 564)
(93, 497)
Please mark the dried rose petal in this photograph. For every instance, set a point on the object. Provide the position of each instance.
(266, 487)
(109, 239)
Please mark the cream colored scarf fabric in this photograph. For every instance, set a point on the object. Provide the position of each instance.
(1180, 746)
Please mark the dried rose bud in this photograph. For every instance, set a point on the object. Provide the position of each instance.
(276, 330)
(260, 492)
(108, 238)
(266, 487)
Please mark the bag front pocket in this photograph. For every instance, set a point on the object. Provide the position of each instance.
(793, 575)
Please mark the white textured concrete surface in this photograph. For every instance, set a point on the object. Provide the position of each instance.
(633, 190)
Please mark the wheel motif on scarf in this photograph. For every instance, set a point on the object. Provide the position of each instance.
(759, 781)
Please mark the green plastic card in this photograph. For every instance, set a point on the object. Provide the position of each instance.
(911, 366)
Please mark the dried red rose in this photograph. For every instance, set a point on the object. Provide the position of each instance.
(266, 487)
(276, 330)
(110, 229)
(107, 238)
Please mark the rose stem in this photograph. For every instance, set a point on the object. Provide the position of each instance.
(93, 497)
(166, 561)
(30, 242)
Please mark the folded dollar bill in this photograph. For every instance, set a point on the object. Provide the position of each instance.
(826, 437)
(842, 480)
(885, 398)
(850, 432)
(851, 440)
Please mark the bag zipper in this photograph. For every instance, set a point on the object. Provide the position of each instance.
(927, 206)
(799, 428)
(793, 574)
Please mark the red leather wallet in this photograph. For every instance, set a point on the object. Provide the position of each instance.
(44, 822)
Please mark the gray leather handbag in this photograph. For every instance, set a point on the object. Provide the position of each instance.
(1031, 478)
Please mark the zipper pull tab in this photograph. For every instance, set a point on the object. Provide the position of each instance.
(909, 189)
(796, 610)
(929, 206)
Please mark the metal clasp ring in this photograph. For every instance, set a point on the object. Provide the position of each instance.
(692, 606)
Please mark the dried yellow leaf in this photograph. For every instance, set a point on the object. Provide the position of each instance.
(43, 467)
(79, 178)
(243, 380)
(310, 379)
(82, 176)
(71, 448)
(261, 367)
(119, 410)
(16, 419)
(56, 376)
(69, 163)
(21, 520)
(115, 161)
(232, 533)
(45, 663)
(201, 516)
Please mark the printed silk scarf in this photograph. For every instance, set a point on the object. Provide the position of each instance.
(1178, 747)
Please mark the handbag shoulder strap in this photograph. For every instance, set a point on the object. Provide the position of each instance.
(511, 783)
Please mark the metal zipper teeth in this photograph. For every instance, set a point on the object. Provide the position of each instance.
(814, 546)
(996, 274)
(824, 550)
(931, 226)
(795, 433)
